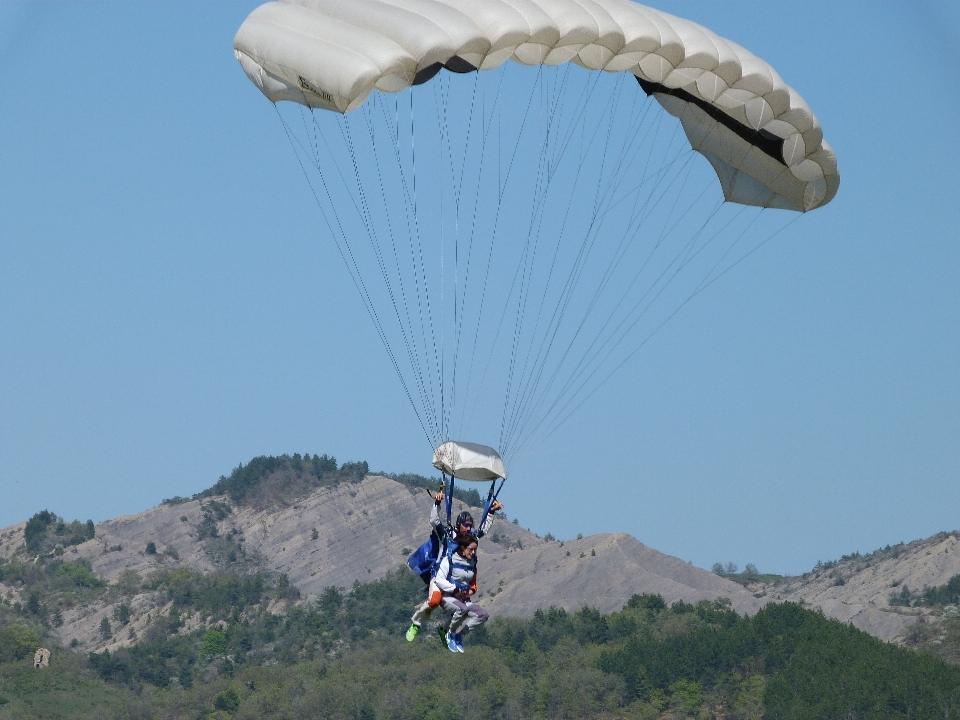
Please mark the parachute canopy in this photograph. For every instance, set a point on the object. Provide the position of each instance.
(521, 232)
(762, 139)
(469, 461)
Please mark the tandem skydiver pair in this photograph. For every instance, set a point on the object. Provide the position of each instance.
(447, 562)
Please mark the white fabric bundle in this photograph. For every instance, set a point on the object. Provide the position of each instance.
(469, 461)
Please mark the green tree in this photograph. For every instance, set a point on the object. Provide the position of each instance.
(76, 574)
(33, 602)
(106, 632)
(228, 701)
(17, 642)
(214, 643)
(36, 529)
(122, 613)
(748, 698)
(686, 696)
(904, 597)
(648, 601)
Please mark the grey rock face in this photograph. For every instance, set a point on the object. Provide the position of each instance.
(858, 589)
(360, 531)
(602, 571)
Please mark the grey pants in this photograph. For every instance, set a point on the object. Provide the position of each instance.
(466, 615)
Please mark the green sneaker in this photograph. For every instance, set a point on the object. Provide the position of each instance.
(412, 633)
(442, 632)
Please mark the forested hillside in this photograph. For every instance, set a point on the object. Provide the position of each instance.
(344, 656)
(309, 522)
(280, 593)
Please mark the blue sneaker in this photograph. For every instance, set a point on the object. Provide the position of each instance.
(452, 642)
(458, 639)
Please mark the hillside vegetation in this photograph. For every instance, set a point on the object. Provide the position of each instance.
(276, 593)
(344, 656)
(268, 480)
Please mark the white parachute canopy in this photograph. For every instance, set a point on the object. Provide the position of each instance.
(469, 461)
(759, 134)
(519, 227)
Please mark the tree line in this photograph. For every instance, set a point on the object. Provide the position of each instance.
(343, 655)
(270, 479)
(344, 652)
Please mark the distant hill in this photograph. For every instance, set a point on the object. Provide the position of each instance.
(337, 534)
(877, 592)
(307, 523)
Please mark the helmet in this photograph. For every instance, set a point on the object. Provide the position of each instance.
(464, 517)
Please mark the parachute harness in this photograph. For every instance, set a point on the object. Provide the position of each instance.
(425, 561)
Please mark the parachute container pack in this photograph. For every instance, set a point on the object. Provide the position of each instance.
(468, 461)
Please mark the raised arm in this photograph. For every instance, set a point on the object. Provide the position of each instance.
(488, 523)
(435, 511)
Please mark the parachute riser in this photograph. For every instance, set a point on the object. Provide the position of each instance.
(449, 499)
(492, 495)
(491, 499)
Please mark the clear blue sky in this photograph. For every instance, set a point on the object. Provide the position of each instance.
(169, 308)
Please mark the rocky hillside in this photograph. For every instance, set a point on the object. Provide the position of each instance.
(859, 588)
(343, 533)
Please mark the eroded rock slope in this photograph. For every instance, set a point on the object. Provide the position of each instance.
(340, 534)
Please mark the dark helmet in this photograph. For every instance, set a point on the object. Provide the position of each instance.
(464, 517)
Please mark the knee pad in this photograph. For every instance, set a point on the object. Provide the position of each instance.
(434, 600)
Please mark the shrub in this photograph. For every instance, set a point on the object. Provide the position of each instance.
(12, 571)
(36, 529)
(76, 574)
(122, 613)
(228, 701)
(17, 642)
(129, 582)
(214, 643)
(902, 598)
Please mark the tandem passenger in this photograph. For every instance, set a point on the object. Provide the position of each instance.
(457, 580)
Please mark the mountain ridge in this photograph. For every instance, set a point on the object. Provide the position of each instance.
(350, 532)
(342, 533)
